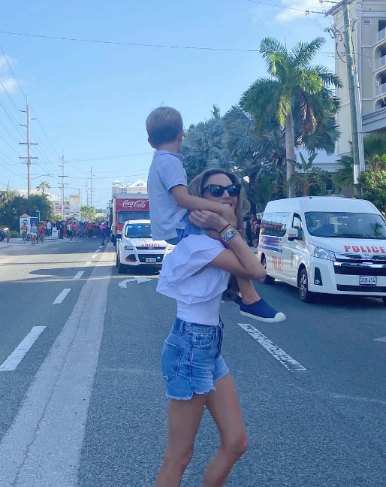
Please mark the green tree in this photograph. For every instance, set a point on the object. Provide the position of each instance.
(204, 145)
(35, 205)
(295, 92)
(308, 180)
(374, 188)
(88, 213)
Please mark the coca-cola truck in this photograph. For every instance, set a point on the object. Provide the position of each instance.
(127, 206)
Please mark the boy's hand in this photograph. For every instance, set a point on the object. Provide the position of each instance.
(207, 219)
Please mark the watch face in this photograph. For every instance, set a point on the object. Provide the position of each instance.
(229, 234)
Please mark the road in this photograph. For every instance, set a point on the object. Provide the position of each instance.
(82, 401)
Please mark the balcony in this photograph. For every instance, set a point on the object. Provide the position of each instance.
(380, 62)
(382, 88)
(381, 34)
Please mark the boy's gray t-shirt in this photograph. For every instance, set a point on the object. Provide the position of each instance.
(166, 171)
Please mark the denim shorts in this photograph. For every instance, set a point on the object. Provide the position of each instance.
(191, 359)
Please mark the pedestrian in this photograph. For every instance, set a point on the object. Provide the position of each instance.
(169, 201)
(24, 231)
(41, 232)
(34, 233)
(196, 376)
(7, 234)
(248, 230)
(49, 229)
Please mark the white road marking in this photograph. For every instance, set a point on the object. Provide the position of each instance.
(93, 257)
(383, 339)
(88, 262)
(122, 284)
(60, 298)
(286, 360)
(78, 275)
(21, 350)
(42, 446)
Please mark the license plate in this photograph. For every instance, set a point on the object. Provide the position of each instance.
(367, 280)
(150, 260)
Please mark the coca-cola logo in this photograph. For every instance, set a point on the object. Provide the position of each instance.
(141, 204)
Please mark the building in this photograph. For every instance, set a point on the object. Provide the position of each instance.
(367, 19)
(139, 187)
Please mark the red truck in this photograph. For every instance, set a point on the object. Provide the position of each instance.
(127, 206)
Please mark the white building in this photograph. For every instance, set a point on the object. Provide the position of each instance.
(368, 31)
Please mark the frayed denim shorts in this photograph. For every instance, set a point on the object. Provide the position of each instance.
(191, 359)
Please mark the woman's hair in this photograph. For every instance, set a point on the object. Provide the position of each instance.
(197, 185)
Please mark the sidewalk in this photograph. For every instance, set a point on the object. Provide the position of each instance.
(17, 242)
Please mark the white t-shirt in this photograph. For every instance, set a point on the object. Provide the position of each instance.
(198, 294)
(166, 171)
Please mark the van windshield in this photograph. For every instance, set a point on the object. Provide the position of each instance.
(341, 225)
(138, 230)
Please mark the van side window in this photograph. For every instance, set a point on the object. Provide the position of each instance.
(297, 223)
(275, 224)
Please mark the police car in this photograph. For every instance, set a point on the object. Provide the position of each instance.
(136, 247)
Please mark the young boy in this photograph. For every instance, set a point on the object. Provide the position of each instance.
(170, 200)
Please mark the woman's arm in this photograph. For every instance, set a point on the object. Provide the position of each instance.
(237, 258)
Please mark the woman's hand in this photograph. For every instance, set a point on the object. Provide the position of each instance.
(207, 219)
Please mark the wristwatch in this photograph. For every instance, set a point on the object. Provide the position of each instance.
(228, 234)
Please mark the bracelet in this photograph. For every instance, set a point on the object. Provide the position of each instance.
(226, 226)
(229, 234)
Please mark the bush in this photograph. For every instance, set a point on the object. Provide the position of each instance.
(15, 234)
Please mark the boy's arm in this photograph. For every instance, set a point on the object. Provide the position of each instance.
(190, 202)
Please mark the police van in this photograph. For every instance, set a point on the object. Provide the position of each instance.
(325, 244)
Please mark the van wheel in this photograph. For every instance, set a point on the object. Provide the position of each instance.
(267, 279)
(304, 294)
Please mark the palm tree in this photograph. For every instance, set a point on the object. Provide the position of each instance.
(295, 91)
(43, 186)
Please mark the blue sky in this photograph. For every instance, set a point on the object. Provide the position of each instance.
(91, 96)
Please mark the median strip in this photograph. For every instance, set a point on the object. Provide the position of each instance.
(286, 360)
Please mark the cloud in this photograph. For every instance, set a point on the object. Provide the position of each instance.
(9, 85)
(297, 9)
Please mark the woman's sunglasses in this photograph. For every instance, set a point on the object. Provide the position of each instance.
(217, 190)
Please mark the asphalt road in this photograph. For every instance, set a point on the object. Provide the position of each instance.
(82, 401)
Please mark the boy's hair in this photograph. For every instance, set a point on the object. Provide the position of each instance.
(163, 125)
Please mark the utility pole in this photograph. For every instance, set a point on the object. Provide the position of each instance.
(62, 183)
(28, 144)
(353, 86)
(351, 92)
(91, 187)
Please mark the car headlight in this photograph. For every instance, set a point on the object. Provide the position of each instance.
(170, 247)
(128, 247)
(323, 253)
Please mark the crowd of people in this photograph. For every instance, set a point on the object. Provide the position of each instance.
(36, 232)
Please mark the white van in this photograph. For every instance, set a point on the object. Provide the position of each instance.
(325, 244)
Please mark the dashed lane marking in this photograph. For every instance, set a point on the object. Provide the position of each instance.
(88, 262)
(382, 339)
(93, 257)
(21, 350)
(61, 296)
(78, 275)
(286, 360)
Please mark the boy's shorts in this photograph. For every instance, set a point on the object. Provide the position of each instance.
(189, 229)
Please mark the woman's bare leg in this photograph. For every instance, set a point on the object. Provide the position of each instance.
(184, 420)
(223, 405)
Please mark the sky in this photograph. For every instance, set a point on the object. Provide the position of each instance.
(92, 71)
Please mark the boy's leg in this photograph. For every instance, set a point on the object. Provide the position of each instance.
(254, 306)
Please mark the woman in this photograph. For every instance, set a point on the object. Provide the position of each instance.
(34, 233)
(196, 376)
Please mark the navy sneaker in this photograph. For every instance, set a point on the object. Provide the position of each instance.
(261, 311)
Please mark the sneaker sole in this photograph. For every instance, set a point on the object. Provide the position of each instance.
(277, 319)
